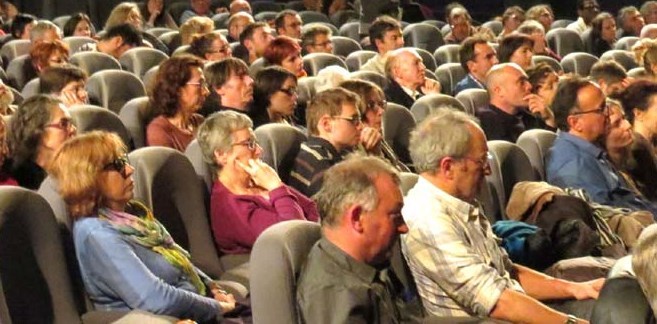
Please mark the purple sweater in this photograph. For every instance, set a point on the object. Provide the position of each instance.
(238, 220)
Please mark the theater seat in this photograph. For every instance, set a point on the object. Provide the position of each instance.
(92, 62)
(579, 63)
(89, 118)
(472, 99)
(424, 106)
(140, 59)
(314, 62)
(111, 89)
(424, 36)
(280, 145)
(357, 59)
(398, 122)
(134, 115)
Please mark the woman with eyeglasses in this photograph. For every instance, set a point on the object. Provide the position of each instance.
(44, 54)
(66, 82)
(248, 196)
(371, 107)
(178, 92)
(127, 258)
(38, 128)
(285, 52)
(210, 47)
(274, 96)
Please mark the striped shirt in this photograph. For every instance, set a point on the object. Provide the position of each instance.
(456, 260)
(315, 156)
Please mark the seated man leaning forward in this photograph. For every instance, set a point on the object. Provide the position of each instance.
(346, 278)
(457, 263)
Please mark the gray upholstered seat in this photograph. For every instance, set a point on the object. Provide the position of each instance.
(424, 36)
(556, 66)
(637, 72)
(343, 46)
(149, 77)
(92, 62)
(314, 62)
(561, 23)
(342, 17)
(371, 76)
(578, 63)
(89, 118)
(494, 25)
(398, 122)
(354, 30)
(260, 6)
(16, 72)
(31, 88)
(358, 58)
(14, 49)
(138, 60)
(280, 145)
(449, 74)
(424, 106)
(472, 99)
(134, 115)
(306, 88)
(171, 39)
(427, 58)
(75, 42)
(157, 31)
(625, 43)
(536, 143)
(111, 89)
(448, 53)
(564, 41)
(313, 17)
(623, 57)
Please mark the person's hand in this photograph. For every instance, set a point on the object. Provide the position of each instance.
(430, 86)
(538, 107)
(371, 138)
(588, 289)
(262, 174)
(70, 98)
(226, 300)
(627, 81)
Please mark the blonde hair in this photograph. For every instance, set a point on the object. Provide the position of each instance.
(77, 166)
(645, 53)
(120, 13)
(195, 26)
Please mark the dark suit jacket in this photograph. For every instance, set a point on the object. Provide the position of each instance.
(395, 93)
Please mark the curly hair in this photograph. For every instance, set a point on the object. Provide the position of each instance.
(72, 23)
(77, 166)
(27, 126)
(172, 75)
(280, 48)
(41, 52)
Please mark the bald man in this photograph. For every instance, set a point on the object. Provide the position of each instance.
(406, 71)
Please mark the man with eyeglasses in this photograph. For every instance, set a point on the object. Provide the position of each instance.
(288, 23)
(317, 39)
(586, 11)
(577, 158)
(334, 126)
(456, 260)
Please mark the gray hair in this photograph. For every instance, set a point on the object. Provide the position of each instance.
(530, 26)
(393, 58)
(644, 265)
(443, 133)
(215, 133)
(351, 182)
(39, 30)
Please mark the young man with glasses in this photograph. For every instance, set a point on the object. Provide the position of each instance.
(577, 158)
(334, 126)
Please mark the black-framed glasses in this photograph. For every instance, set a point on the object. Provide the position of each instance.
(119, 165)
(371, 105)
(251, 144)
(289, 91)
(63, 124)
(354, 120)
(603, 110)
(483, 162)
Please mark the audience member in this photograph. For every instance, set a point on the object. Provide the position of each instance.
(236, 24)
(239, 6)
(544, 81)
(6, 100)
(115, 41)
(603, 33)
(198, 8)
(536, 32)
(586, 11)
(518, 49)
(461, 27)
(317, 39)
(156, 14)
(576, 159)
(610, 76)
(21, 27)
(406, 73)
(513, 108)
(36, 131)
(79, 25)
(645, 54)
(5, 178)
(274, 96)
(643, 264)
(210, 47)
(66, 82)
(386, 35)
(7, 11)
(128, 13)
(330, 77)
(649, 31)
(247, 196)
(631, 22)
(346, 277)
(477, 57)
(458, 265)
(195, 26)
(543, 14)
(178, 93)
(231, 87)
(334, 126)
(43, 55)
(511, 18)
(45, 30)
(288, 23)
(127, 258)
(649, 12)
(285, 52)
(255, 38)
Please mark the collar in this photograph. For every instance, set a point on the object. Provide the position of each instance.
(316, 141)
(362, 270)
(474, 79)
(455, 206)
(582, 144)
(412, 93)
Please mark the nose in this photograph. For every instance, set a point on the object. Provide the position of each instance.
(129, 170)
(258, 151)
(402, 228)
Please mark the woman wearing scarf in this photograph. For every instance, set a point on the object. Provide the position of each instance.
(127, 258)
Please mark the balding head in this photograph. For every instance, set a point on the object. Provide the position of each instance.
(649, 31)
(507, 86)
(239, 6)
(405, 66)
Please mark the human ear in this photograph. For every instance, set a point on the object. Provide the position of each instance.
(354, 214)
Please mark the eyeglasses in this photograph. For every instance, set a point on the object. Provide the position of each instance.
(603, 110)
(371, 105)
(289, 91)
(224, 49)
(250, 144)
(354, 120)
(63, 124)
(119, 165)
(324, 44)
(201, 83)
(483, 162)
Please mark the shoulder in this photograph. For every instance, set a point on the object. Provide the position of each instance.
(159, 122)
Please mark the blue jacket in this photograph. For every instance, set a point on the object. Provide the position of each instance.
(467, 83)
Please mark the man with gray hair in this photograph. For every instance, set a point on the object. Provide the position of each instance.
(406, 73)
(346, 278)
(317, 39)
(630, 22)
(45, 31)
(458, 266)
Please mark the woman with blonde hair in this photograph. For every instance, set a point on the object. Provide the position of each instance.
(645, 54)
(129, 13)
(127, 258)
(195, 26)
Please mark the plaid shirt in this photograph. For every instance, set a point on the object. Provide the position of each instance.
(456, 260)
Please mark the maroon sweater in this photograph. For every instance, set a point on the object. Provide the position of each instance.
(238, 220)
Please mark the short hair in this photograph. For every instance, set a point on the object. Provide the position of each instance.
(41, 51)
(443, 133)
(236, 16)
(528, 27)
(381, 25)
(218, 73)
(19, 22)
(250, 29)
(450, 7)
(280, 48)
(39, 30)
(363, 89)
(510, 44)
(27, 126)
(77, 167)
(267, 82)
(72, 23)
(645, 7)
(330, 77)
(279, 21)
(467, 50)
(328, 102)
(623, 12)
(565, 100)
(537, 74)
(309, 34)
(194, 26)
(534, 12)
(513, 10)
(350, 182)
(119, 14)
(609, 71)
(127, 32)
(215, 134)
(393, 59)
(638, 95)
(55, 78)
(596, 24)
(173, 74)
(202, 44)
(644, 265)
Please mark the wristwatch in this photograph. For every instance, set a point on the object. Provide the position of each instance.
(571, 319)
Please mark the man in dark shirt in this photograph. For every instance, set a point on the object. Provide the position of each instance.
(231, 87)
(406, 73)
(346, 278)
(512, 109)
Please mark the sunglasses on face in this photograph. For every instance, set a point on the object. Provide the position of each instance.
(119, 165)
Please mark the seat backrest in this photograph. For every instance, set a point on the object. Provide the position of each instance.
(138, 60)
(449, 74)
(623, 57)
(165, 181)
(31, 88)
(92, 62)
(424, 106)
(157, 31)
(61, 21)
(561, 23)
(111, 89)
(427, 59)
(356, 59)
(256, 66)
(306, 88)
(622, 300)
(276, 260)
(280, 145)
(354, 30)
(342, 17)
(371, 76)
(587, 41)
(637, 72)
(203, 171)
(424, 36)
(564, 41)
(398, 122)
(37, 287)
(177, 8)
(314, 62)
(14, 49)
(89, 118)
(149, 77)
(448, 53)
(472, 99)
(171, 39)
(260, 6)
(536, 143)
(343, 46)
(556, 66)
(579, 63)
(221, 19)
(626, 43)
(16, 72)
(75, 42)
(264, 16)
(494, 25)
(313, 16)
(134, 115)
